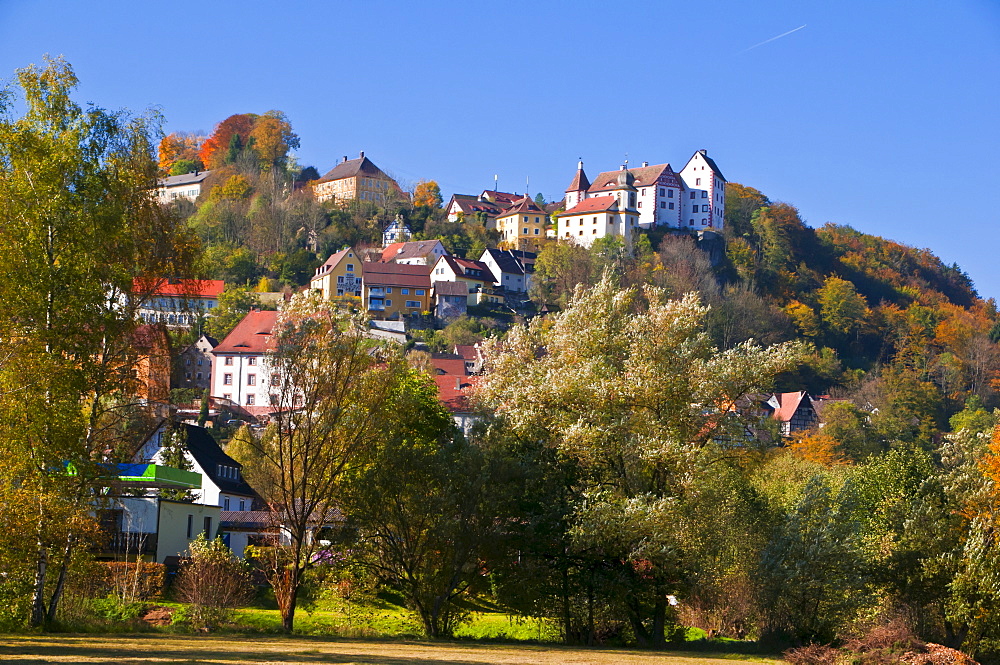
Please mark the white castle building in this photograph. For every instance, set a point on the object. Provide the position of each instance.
(692, 198)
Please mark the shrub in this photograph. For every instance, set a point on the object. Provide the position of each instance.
(213, 581)
(132, 581)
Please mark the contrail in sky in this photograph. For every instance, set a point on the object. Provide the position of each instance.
(768, 41)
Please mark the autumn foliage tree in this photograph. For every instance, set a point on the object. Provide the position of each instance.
(427, 193)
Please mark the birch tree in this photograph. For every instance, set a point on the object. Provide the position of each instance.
(78, 226)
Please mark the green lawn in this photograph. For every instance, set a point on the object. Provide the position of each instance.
(230, 650)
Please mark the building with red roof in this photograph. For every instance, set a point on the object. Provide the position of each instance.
(476, 275)
(693, 198)
(241, 371)
(414, 252)
(393, 291)
(176, 303)
(613, 213)
(522, 225)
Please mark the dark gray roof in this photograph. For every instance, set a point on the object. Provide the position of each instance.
(353, 167)
(506, 261)
(210, 456)
(186, 179)
(451, 288)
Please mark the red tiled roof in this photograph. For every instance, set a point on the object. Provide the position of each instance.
(189, 288)
(396, 274)
(788, 403)
(525, 205)
(408, 250)
(454, 391)
(594, 204)
(453, 366)
(580, 182)
(505, 199)
(461, 268)
(251, 335)
(332, 262)
(467, 351)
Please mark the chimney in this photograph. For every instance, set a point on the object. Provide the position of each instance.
(645, 163)
(362, 155)
(623, 167)
(345, 158)
(458, 383)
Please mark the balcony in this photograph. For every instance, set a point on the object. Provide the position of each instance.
(128, 543)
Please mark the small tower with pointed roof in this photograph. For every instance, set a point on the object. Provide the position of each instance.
(577, 190)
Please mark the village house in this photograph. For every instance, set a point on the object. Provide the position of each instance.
(416, 252)
(512, 268)
(522, 225)
(468, 207)
(614, 213)
(187, 186)
(356, 179)
(793, 411)
(177, 303)
(451, 300)
(396, 231)
(476, 275)
(340, 275)
(455, 386)
(242, 372)
(195, 364)
(395, 290)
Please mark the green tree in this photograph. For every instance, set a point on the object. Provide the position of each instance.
(418, 503)
(78, 224)
(842, 309)
(333, 399)
(628, 384)
(234, 304)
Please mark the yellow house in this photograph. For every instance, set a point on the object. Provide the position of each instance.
(522, 226)
(340, 275)
(356, 179)
(393, 291)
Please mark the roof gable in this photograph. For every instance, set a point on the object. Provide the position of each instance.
(251, 335)
(593, 204)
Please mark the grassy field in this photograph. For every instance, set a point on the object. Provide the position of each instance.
(225, 650)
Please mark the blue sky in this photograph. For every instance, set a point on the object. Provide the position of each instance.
(881, 115)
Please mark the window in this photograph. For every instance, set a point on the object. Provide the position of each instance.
(225, 503)
(190, 529)
(536, 232)
(671, 205)
(243, 504)
(208, 528)
(663, 204)
(199, 362)
(662, 190)
(228, 360)
(697, 181)
(388, 303)
(405, 292)
(704, 221)
(581, 231)
(187, 375)
(670, 193)
(704, 208)
(690, 222)
(275, 380)
(640, 204)
(251, 379)
(525, 231)
(704, 194)
(595, 232)
(187, 361)
(273, 399)
(413, 303)
(420, 292)
(595, 221)
(252, 360)
(694, 194)
(388, 289)
(250, 400)
(228, 396)
(227, 379)
(349, 267)
(198, 376)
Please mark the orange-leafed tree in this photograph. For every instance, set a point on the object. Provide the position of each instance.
(179, 150)
(217, 148)
(272, 138)
(427, 193)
